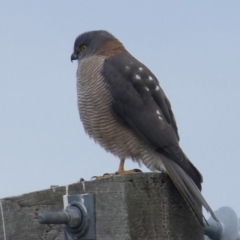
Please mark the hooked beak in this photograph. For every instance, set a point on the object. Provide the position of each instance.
(74, 56)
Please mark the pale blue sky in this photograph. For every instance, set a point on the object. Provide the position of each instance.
(193, 47)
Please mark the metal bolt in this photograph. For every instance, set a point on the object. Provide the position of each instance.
(213, 230)
(72, 217)
(226, 229)
(54, 218)
(78, 216)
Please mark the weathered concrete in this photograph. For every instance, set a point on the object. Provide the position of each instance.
(137, 206)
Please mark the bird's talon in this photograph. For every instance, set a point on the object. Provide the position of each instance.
(137, 170)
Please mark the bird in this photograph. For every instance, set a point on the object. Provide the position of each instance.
(124, 109)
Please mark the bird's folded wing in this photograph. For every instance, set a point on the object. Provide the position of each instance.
(139, 102)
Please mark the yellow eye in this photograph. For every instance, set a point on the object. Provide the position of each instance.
(83, 47)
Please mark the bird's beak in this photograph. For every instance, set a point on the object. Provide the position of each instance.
(74, 56)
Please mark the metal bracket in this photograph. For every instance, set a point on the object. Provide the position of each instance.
(227, 228)
(78, 216)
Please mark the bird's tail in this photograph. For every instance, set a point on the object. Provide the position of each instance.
(188, 190)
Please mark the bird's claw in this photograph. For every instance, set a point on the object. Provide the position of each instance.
(105, 175)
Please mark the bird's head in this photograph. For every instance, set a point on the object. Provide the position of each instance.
(96, 43)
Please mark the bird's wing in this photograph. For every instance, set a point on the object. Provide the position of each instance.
(140, 103)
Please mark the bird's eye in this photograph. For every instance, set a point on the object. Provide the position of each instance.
(83, 47)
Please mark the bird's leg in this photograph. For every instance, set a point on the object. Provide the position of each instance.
(122, 171)
(121, 166)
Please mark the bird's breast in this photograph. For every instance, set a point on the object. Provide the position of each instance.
(94, 100)
(95, 108)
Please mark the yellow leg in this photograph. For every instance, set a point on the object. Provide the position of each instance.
(120, 171)
(121, 166)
